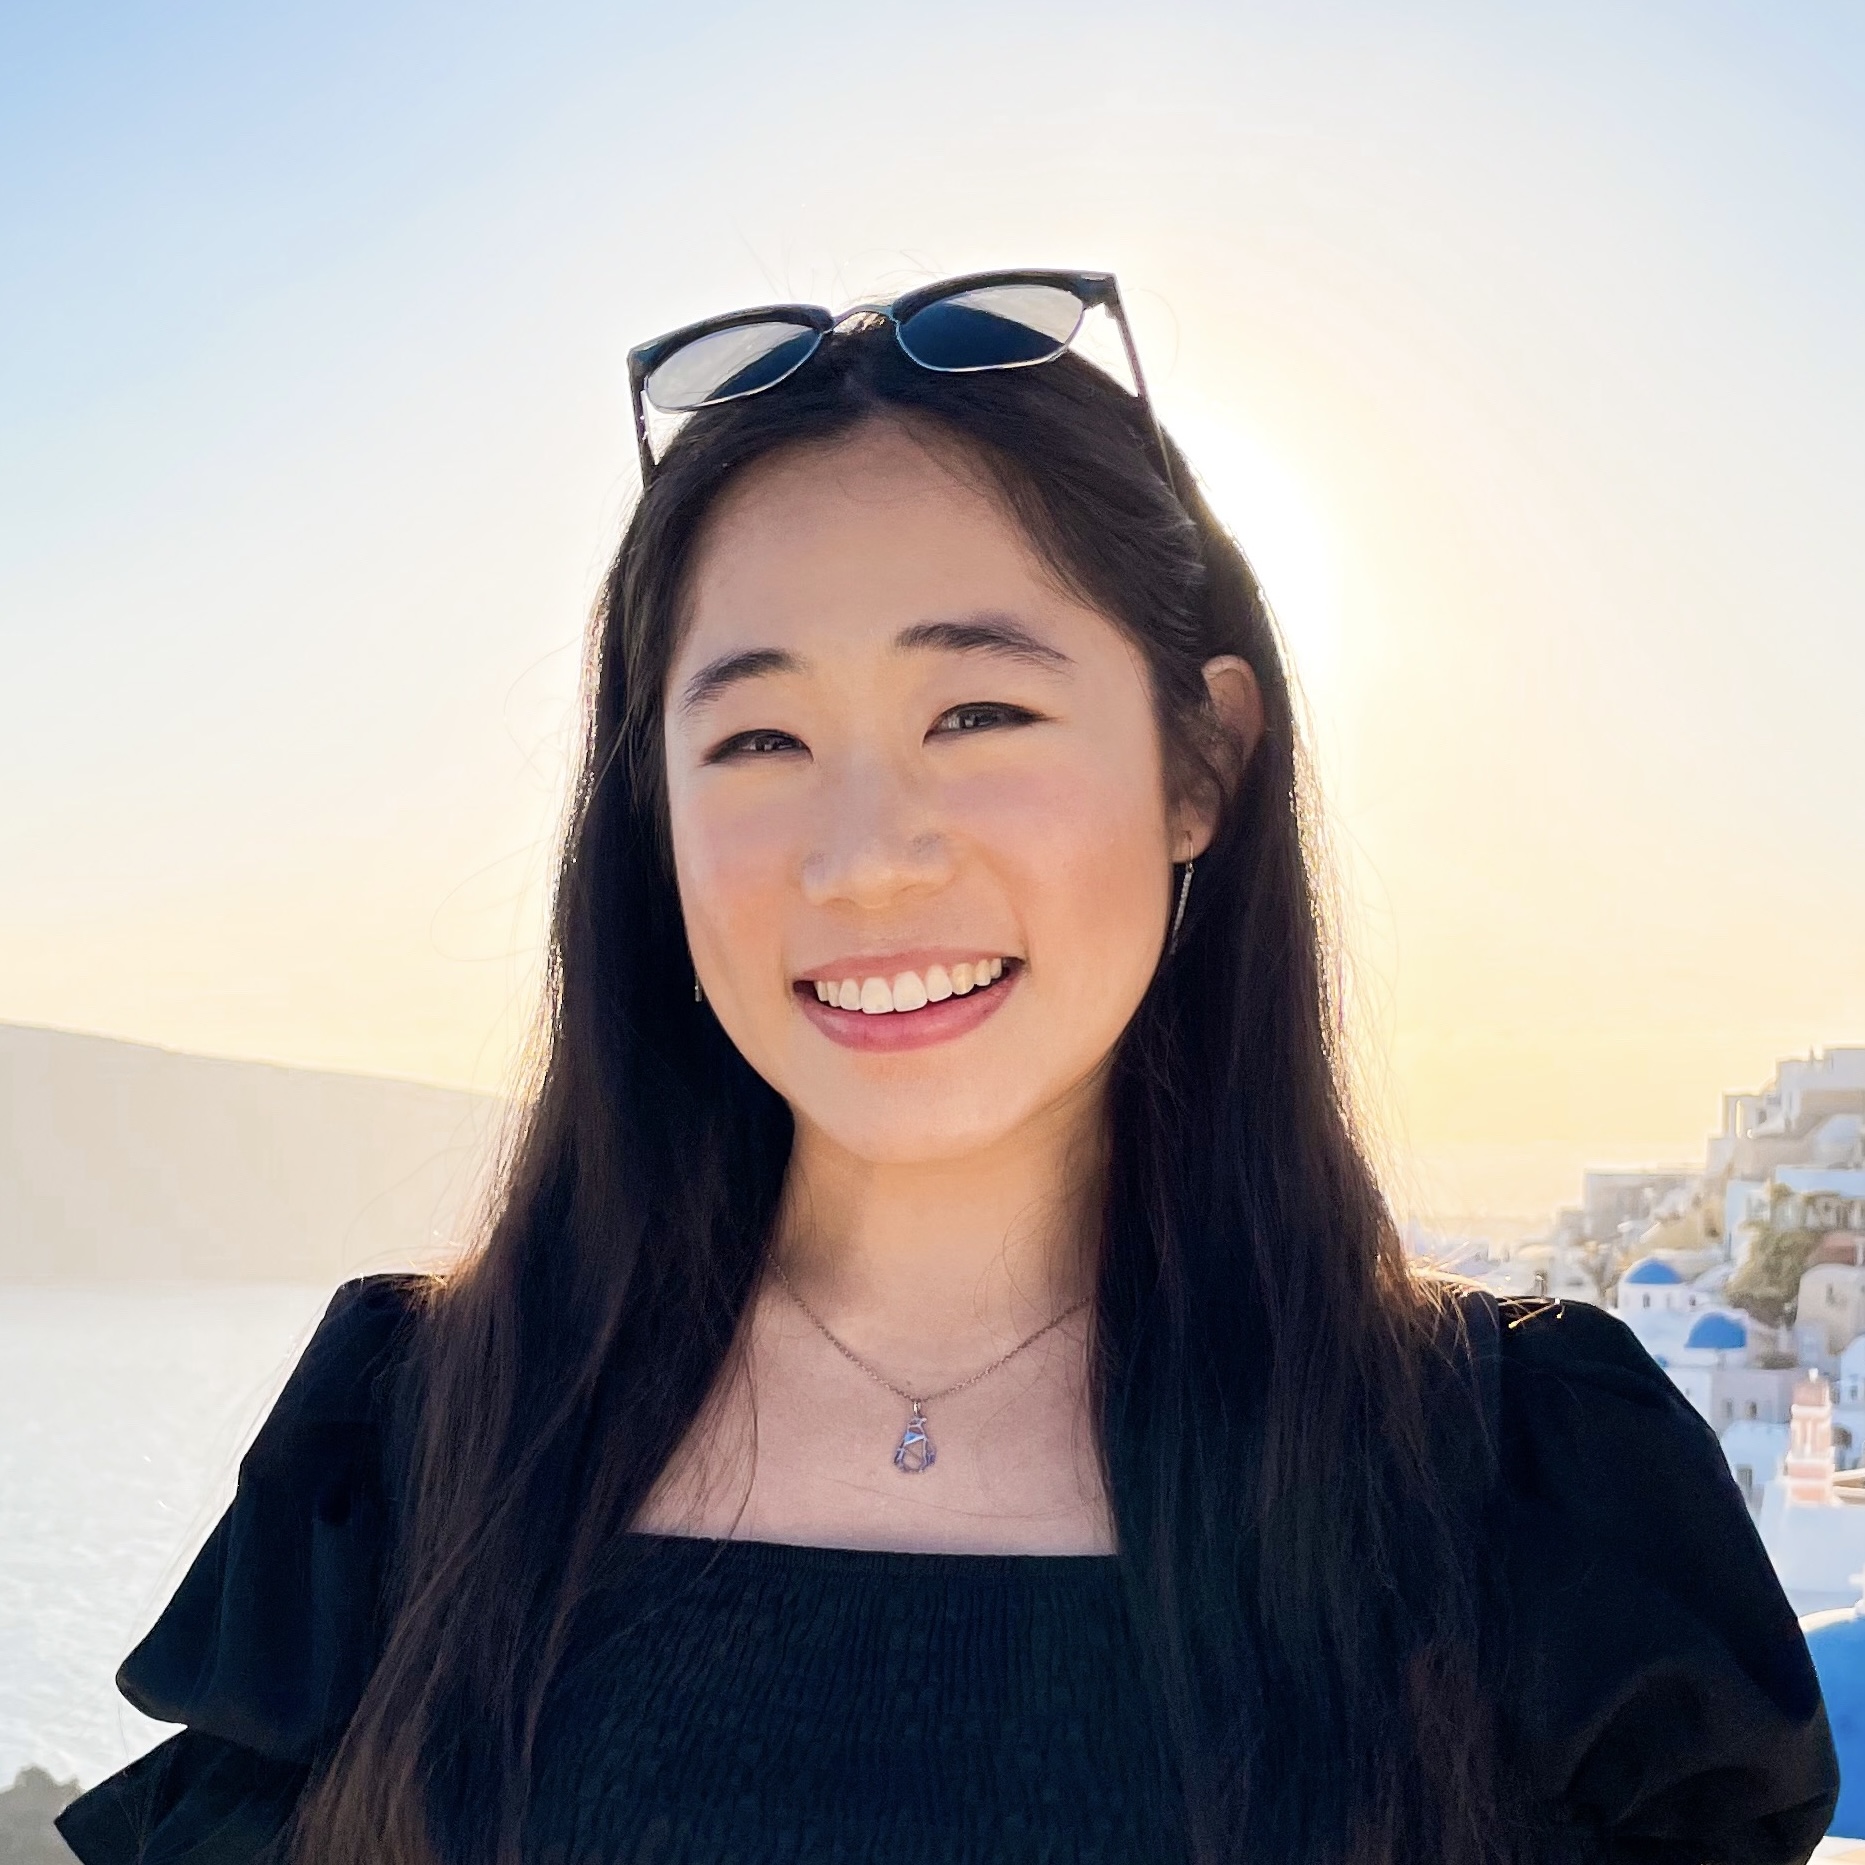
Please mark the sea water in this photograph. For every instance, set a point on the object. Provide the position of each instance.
(123, 1414)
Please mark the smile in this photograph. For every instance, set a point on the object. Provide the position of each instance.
(891, 1010)
(908, 991)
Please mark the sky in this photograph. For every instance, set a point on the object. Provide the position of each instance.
(1519, 345)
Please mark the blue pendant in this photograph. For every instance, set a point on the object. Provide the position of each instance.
(914, 1453)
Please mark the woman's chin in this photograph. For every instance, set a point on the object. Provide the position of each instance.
(909, 1128)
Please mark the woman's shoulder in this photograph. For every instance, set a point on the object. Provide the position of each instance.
(285, 1589)
(1542, 1335)
(1617, 1501)
(1548, 1371)
(346, 1374)
(1590, 1426)
(263, 1651)
(1660, 1688)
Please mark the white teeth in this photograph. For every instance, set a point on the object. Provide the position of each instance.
(876, 997)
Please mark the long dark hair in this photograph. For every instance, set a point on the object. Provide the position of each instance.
(1274, 1386)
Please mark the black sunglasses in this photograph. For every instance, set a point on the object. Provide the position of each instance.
(985, 320)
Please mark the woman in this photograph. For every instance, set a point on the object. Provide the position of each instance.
(942, 1383)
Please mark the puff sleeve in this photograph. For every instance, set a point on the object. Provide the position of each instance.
(265, 1648)
(1664, 1707)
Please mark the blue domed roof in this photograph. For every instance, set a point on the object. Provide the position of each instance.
(1719, 1331)
(1649, 1269)
(1837, 1644)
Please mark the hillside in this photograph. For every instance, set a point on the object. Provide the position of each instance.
(119, 1162)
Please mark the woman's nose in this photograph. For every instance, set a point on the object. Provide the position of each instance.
(876, 838)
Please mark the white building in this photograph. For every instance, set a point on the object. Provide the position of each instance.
(1756, 1451)
(1654, 1287)
(1790, 1120)
(1745, 1211)
(1814, 1532)
(1850, 1389)
(1712, 1369)
(1820, 1197)
(1658, 1305)
(1831, 1310)
(1849, 1406)
(1709, 1350)
(1619, 1205)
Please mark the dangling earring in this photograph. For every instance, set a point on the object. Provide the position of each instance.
(699, 996)
(1178, 915)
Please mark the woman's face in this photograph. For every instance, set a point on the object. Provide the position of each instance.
(919, 811)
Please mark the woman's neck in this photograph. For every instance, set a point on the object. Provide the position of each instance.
(929, 1277)
(940, 1253)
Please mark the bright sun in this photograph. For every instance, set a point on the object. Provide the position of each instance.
(1279, 524)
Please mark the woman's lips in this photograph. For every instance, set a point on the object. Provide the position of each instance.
(890, 1031)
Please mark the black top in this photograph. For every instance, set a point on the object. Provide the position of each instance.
(767, 1704)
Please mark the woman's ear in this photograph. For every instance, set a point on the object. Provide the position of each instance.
(1236, 703)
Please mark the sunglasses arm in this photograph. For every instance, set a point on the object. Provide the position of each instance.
(1139, 384)
(641, 425)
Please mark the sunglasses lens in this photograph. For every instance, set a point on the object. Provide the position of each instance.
(725, 364)
(993, 327)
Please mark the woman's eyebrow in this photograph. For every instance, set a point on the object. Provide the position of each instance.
(982, 634)
(746, 664)
(974, 634)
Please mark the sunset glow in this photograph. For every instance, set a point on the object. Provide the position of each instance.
(1529, 380)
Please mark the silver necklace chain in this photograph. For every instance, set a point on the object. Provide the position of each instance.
(915, 1453)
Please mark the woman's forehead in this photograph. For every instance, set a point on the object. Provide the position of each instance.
(884, 478)
(856, 542)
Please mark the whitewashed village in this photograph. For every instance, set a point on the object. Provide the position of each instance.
(1745, 1280)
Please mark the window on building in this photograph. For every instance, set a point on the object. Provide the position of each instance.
(1745, 1477)
(1644, 1301)
(1749, 1410)
(1729, 1408)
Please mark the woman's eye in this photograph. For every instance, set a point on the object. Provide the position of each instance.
(980, 717)
(760, 744)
